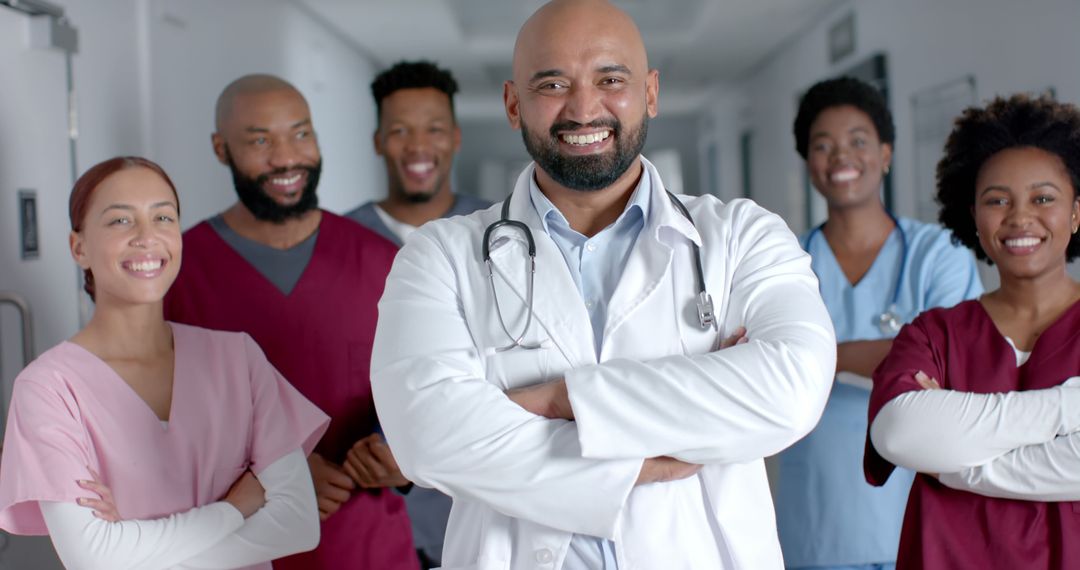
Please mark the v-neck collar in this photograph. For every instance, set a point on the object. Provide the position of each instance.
(874, 266)
(263, 279)
(164, 425)
(1035, 353)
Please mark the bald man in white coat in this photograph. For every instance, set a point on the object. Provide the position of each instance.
(613, 432)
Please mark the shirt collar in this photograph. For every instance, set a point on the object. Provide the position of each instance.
(638, 205)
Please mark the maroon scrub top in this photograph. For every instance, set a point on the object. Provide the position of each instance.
(319, 337)
(945, 528)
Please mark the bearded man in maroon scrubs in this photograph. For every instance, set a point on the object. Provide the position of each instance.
(304, 284)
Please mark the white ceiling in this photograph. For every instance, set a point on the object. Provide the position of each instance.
(696, 44)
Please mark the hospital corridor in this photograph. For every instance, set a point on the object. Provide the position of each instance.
(539, 284)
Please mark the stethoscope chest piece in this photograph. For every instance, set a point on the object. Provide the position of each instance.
(706, 315)
(890, 322)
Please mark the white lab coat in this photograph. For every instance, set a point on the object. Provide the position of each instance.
(523, 484)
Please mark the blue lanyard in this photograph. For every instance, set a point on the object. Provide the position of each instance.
(903, 256)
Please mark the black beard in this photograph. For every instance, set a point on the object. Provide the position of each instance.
(586, 173)
(263, 207)
(421, 198)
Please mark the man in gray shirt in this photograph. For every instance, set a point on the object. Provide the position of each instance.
(417, 137)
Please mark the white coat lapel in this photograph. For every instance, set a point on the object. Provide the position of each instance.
(650, 263)
(557, 304)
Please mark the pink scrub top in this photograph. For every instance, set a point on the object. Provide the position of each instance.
(231, 411)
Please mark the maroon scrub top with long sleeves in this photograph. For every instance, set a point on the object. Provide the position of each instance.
(319, 337)
(946, 528)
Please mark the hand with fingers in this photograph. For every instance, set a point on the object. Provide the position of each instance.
(926, 382)
(663, 469)
(246, 494)
(371, 464)
(104, 507)
(549, 399)
(738, 336)
(333, 486)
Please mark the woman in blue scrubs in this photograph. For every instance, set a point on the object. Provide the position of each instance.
(876, 273)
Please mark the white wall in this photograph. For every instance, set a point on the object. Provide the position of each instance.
(720, 126)
(1008, 46)
(147, 74)
(198, 46)
(34, 154)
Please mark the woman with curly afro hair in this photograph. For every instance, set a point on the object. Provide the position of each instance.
(876, 272)
(980, 399)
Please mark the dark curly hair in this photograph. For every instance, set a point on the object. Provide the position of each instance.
(837, 92)
(412, 75)
(980, 133)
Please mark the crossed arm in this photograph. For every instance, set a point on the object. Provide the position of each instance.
(1016, 445)
(242, 529)
(452, 429)
(552, 400)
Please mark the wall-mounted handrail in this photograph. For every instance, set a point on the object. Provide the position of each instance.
(20, 303)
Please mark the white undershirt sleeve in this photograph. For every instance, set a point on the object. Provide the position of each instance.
(85, 542)
(212, 536)
(1043, 472)
(944, 431)
(287, 524)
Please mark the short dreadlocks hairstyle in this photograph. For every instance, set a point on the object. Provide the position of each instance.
(412, 75)
(979, 133)
(842, 91)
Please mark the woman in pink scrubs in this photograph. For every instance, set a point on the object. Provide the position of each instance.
(980, 399)
(141, 443)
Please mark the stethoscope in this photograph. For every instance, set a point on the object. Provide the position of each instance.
(706, 316)
(889, 321)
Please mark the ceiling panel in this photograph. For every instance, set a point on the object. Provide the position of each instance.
(694, 43)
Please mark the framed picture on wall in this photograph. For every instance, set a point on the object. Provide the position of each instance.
(933, 110)
(842, 38)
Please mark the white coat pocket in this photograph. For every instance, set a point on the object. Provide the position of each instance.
(517, 367)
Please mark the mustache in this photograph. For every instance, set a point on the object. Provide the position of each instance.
(614, 124)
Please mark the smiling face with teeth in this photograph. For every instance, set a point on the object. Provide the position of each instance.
(266, 138)
(846, 159)
(130, 238)
(417, 138)
(1026, 210)
(582, 94)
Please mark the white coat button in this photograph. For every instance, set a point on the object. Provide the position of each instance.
(590, 246)
(544, 556)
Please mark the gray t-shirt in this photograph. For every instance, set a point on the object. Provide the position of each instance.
(282, 267)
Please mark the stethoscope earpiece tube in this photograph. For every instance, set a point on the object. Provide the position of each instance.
(706, 315)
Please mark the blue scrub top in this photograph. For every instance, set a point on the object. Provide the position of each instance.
(827, 514)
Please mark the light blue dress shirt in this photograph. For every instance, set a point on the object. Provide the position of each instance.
(827, 514)
(596, 265)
